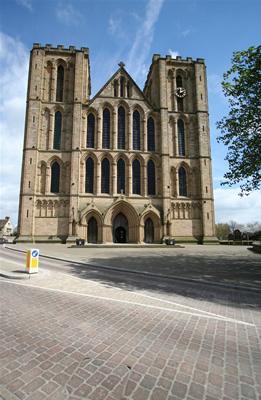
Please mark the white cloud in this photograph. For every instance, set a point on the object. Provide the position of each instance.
(68, 15)
(186, 32)
(116, 25)
(13, 83)
(173, 53)
(230, 206)
(25, 3)
(136, 62)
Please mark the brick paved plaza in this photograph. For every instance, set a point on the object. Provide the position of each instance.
(110, 335)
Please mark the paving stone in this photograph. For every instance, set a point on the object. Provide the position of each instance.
(110, 382)
(99, 394)
(140, 394)
(148, 382)
(159, 394)
(83, 390)
(248, 391)
(94, 341)
(49, 387)
(196, 390)
(179, 389)
(33, 385)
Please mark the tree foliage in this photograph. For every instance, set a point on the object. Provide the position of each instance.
(222, 231)
(241, 129)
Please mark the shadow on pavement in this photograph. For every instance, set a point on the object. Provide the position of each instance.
(230, 271)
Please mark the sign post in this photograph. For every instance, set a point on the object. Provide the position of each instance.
(32, 261)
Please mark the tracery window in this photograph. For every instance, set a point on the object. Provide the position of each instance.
(105, 176)
(151, 134)
(90, 130)
(122, 85)
(136, 189)
(181, 138)
(60, 83)
(136, 130)
(121, 176)
(106, 129)
(57, 131)
(128, 89)
(92, 230)
(151, 178)
(89, 175)
(121, 128)
(182, 182)
(179, 81)
(115, 88)
(180, 104)
(55, 177)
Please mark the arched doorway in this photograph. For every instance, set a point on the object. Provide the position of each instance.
(148, 231)
(120, 229)
(92, 231)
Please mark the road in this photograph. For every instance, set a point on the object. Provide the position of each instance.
(75, 332)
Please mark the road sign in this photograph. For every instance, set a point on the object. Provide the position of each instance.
(32, 261)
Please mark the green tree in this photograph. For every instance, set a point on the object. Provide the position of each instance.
(241, 129)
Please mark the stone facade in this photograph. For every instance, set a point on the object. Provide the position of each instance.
(125, 166)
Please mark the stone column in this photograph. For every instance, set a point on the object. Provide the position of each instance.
(99, 130)
(98, 178)
(144, 167)
(114, 144)
(48, 180)
(53, 84)
(51, 132)
(130, 179)
(114, 179)
(144, 128)
(129, 131)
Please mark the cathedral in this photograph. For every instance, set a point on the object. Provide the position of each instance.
(125, 166)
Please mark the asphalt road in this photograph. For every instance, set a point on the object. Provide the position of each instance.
(75, 332)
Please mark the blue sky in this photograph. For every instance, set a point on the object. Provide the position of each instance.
(129, 31)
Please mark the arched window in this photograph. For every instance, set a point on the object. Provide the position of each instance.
(89, 175)
(182, 182)
(151, 134)
(121, 176)
(60, 83)
(179, 81)
(106, 129)
(43, 178)
(136, 177)
(136, 130)
(181, 138)
(180, 104)
(55, 177)
(128, 89)
(115, 88)
(57, 131)
(121, 128)
(151, 178)
(105, 177)
(90, 130)
(148, 231)
(122, 84)
(92, 231)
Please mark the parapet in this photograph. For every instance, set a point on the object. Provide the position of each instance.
(169, 58)
(60, 48)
